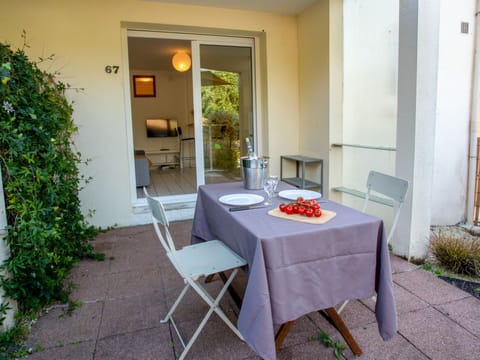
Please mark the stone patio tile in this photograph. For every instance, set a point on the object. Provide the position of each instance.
(465, 312)
(404, 300)
(133, 283)
(437, 336)
(400, 265)
(356, 314)
(301, 331)
(192, 307)
(324, 326)
(306, 350)
(88, 287)
(134, 254)
(57, 328)
(91, 267)
(428, 287)
(132, 314)
(147, 344)
(77, 351)
(130, 230)
(374, 348)
(215, 342)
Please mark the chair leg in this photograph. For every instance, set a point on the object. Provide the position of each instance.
(213, 303)
(174, 306)
(196, 333)
(340, 309)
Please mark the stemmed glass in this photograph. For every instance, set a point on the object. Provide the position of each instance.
(269, 186)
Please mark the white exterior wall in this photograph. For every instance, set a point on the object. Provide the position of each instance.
(455, 54)
(370, 57)
(86, 36)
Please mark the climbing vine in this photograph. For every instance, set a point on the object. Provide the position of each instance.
(47, 233)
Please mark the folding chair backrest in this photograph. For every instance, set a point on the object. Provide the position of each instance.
(159, 218)
(391, 187)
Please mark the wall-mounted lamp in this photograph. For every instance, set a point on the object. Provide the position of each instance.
(181, 61)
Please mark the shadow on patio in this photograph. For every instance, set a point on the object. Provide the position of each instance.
(125, 297)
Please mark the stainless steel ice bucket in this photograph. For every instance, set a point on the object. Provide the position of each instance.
(254, 172)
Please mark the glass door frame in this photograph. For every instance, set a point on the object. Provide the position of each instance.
(196, 40)
(197, 93)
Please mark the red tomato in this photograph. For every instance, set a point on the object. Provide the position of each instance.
(289, 209)
(282, 207)
(295, 209)
(316, 206)
(301, 210)
(318, 213)
(300, 200)
(312, 202)
(309, 212)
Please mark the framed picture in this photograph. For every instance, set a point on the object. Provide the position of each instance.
(144, 86)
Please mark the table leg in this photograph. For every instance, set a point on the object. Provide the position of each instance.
(209, 278)
(282, 333)
(334, 318)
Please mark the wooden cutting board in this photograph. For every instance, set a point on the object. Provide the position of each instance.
(326, 216)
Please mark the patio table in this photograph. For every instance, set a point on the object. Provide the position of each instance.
(296, 268)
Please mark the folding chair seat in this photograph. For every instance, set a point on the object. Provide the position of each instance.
(194, 262)
(391, 188)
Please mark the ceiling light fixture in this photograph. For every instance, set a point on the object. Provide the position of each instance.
(181, 61)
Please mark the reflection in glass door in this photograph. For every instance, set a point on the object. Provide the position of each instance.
(227, 109)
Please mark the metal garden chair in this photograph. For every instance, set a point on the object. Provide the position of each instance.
(393, 191)
(194, 262)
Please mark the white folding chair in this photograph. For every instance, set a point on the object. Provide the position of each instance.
(192, 263)
(393, 189)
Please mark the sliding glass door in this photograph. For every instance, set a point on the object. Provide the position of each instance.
(224, 108)
(212, 104)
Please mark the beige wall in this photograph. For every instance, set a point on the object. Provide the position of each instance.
(86, 36)
(314, 76)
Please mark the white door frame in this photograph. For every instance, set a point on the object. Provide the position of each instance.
(196, 41)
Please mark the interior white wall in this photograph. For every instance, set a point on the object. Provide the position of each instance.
(86, 36)
(455, 54)
(173, 100)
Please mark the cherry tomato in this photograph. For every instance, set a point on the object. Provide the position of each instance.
(318, 213)
(300, 200)
(289, 209)
(301, 210)
(316, 206)
(309, 212)
(312, 202)
(282, 207)
(295, 209)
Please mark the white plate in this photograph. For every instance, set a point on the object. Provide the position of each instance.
(241, 199)
(294, 194)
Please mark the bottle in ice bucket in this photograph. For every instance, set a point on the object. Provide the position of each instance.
(254, 169)
(251, 154)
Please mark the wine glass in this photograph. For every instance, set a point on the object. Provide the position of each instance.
(275, 181)
(269, 187)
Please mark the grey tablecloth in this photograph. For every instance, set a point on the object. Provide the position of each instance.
(296, 268)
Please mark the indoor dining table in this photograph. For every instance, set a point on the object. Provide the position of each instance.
(295, 268)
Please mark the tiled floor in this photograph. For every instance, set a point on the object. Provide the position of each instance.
(125, 297)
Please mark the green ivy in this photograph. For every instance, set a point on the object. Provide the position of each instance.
(47, 233)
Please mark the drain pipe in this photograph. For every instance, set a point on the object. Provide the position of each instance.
(4, 254)
(474, 113)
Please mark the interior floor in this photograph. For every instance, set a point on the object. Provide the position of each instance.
(166, 181)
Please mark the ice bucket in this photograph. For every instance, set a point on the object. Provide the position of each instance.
(254, 171)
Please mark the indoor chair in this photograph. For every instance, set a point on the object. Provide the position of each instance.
(393, 190)
(194, 262)
(183, 142)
